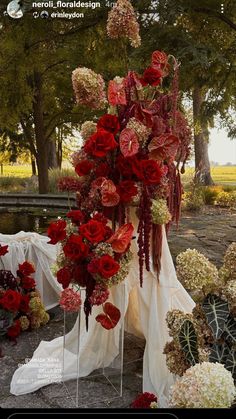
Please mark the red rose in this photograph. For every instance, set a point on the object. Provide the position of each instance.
(143, 401)
(107, 266)
(11, 300)
(109, 123)
(76, 216)
(100, 143)
(102, 170)
(14, 330)
(100, 217)
(80, 275)
(64, 276)
(151, 76)
(26, 268)
(124, 166)
(127, 190)
(24, 304)
(3, 250)
(75, 248)
(84, 167)
(56, 231)
(28, 283)
(93, 266)
(150, 172)
(93, 231)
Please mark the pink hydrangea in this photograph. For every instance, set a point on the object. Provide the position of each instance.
(70, 300)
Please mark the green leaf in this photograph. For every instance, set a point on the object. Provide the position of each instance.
(188, 342)
(217, 313)
(230, 364)
(219, 353)
(230, 330)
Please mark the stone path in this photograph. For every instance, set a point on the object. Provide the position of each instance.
(210, 233)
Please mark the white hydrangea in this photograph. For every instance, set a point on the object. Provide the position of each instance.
(196, 272)
(205, 385)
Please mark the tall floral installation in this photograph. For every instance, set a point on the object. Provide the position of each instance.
(21, 307)
(204, 341)
(131, 157)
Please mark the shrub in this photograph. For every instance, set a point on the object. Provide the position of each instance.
(13, 184)
(56, 174)
(226, 199)
(193, 200)
(210, 193)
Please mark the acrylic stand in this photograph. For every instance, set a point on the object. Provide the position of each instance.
(106, 383)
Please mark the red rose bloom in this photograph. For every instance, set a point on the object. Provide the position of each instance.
(107, 266)
(149, 172)
(28, 283)
(127, 190)
(102, 170)
(80, 275)
(56, 231)
(93, 231)
(143, 401)
(124, 165)
(64, 276)
(3, 250)
(14, 330)
(24, 304)
(26, 268)
(75, 248)
(84, 167)
(151, 76)
(93, 266)
(100, 143)
(109, 123)
(100, 217)
(76, 216)
(11, 300)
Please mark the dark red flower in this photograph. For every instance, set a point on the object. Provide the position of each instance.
(56, 231)
(129, 144)
(151, 76)
(100, 143)
(93, 231)
(110, 317)
(109, 123)
(11, 300)
(64, 276)
(93, 266)
(164, 147)
(116, 93)
(149, 172)
(14, 330)
(143, 401)
(102, 170)
(127, 190)
(3, 250)
(80, 275)
(159, 59)
(28, 283)
(108, 232)
(124, 165)
(107, 266)
(76, 216)
(24, 304)
(98, 216)
(120, 240)
(69, 184)
(75, 248)
(26, 268)
(84, 167)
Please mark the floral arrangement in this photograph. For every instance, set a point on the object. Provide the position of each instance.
(93, 257)
(196, 272)
(20, 304)
(205, 385)
(145, 401)
(209, 332)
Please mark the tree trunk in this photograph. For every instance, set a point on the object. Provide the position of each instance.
(201, 137)
(33, 166)
(41, 143)
(52, 155)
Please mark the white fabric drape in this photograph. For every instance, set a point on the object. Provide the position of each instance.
(145, 311)
(34, 248)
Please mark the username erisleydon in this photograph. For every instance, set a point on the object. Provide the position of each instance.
(58, 4)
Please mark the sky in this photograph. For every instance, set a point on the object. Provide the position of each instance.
(221, 148)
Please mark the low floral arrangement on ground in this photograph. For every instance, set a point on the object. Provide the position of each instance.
(21, 307)
(145, 401)
(208, 334)
(93, 257)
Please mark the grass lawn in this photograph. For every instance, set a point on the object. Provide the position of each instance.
(17, 170)
(222, 175)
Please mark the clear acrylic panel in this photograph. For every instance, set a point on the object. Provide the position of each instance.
(92, 367)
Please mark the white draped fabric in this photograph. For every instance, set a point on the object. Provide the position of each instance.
(145, 311)
(34, 248)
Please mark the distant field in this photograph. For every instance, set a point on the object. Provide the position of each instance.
(220, 174)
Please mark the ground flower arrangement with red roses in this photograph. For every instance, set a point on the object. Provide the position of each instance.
(131, 156)
(21, 307)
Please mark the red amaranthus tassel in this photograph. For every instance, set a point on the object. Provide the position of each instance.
(144, 232)
(157, 247)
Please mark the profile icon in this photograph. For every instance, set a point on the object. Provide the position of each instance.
(14, 9)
